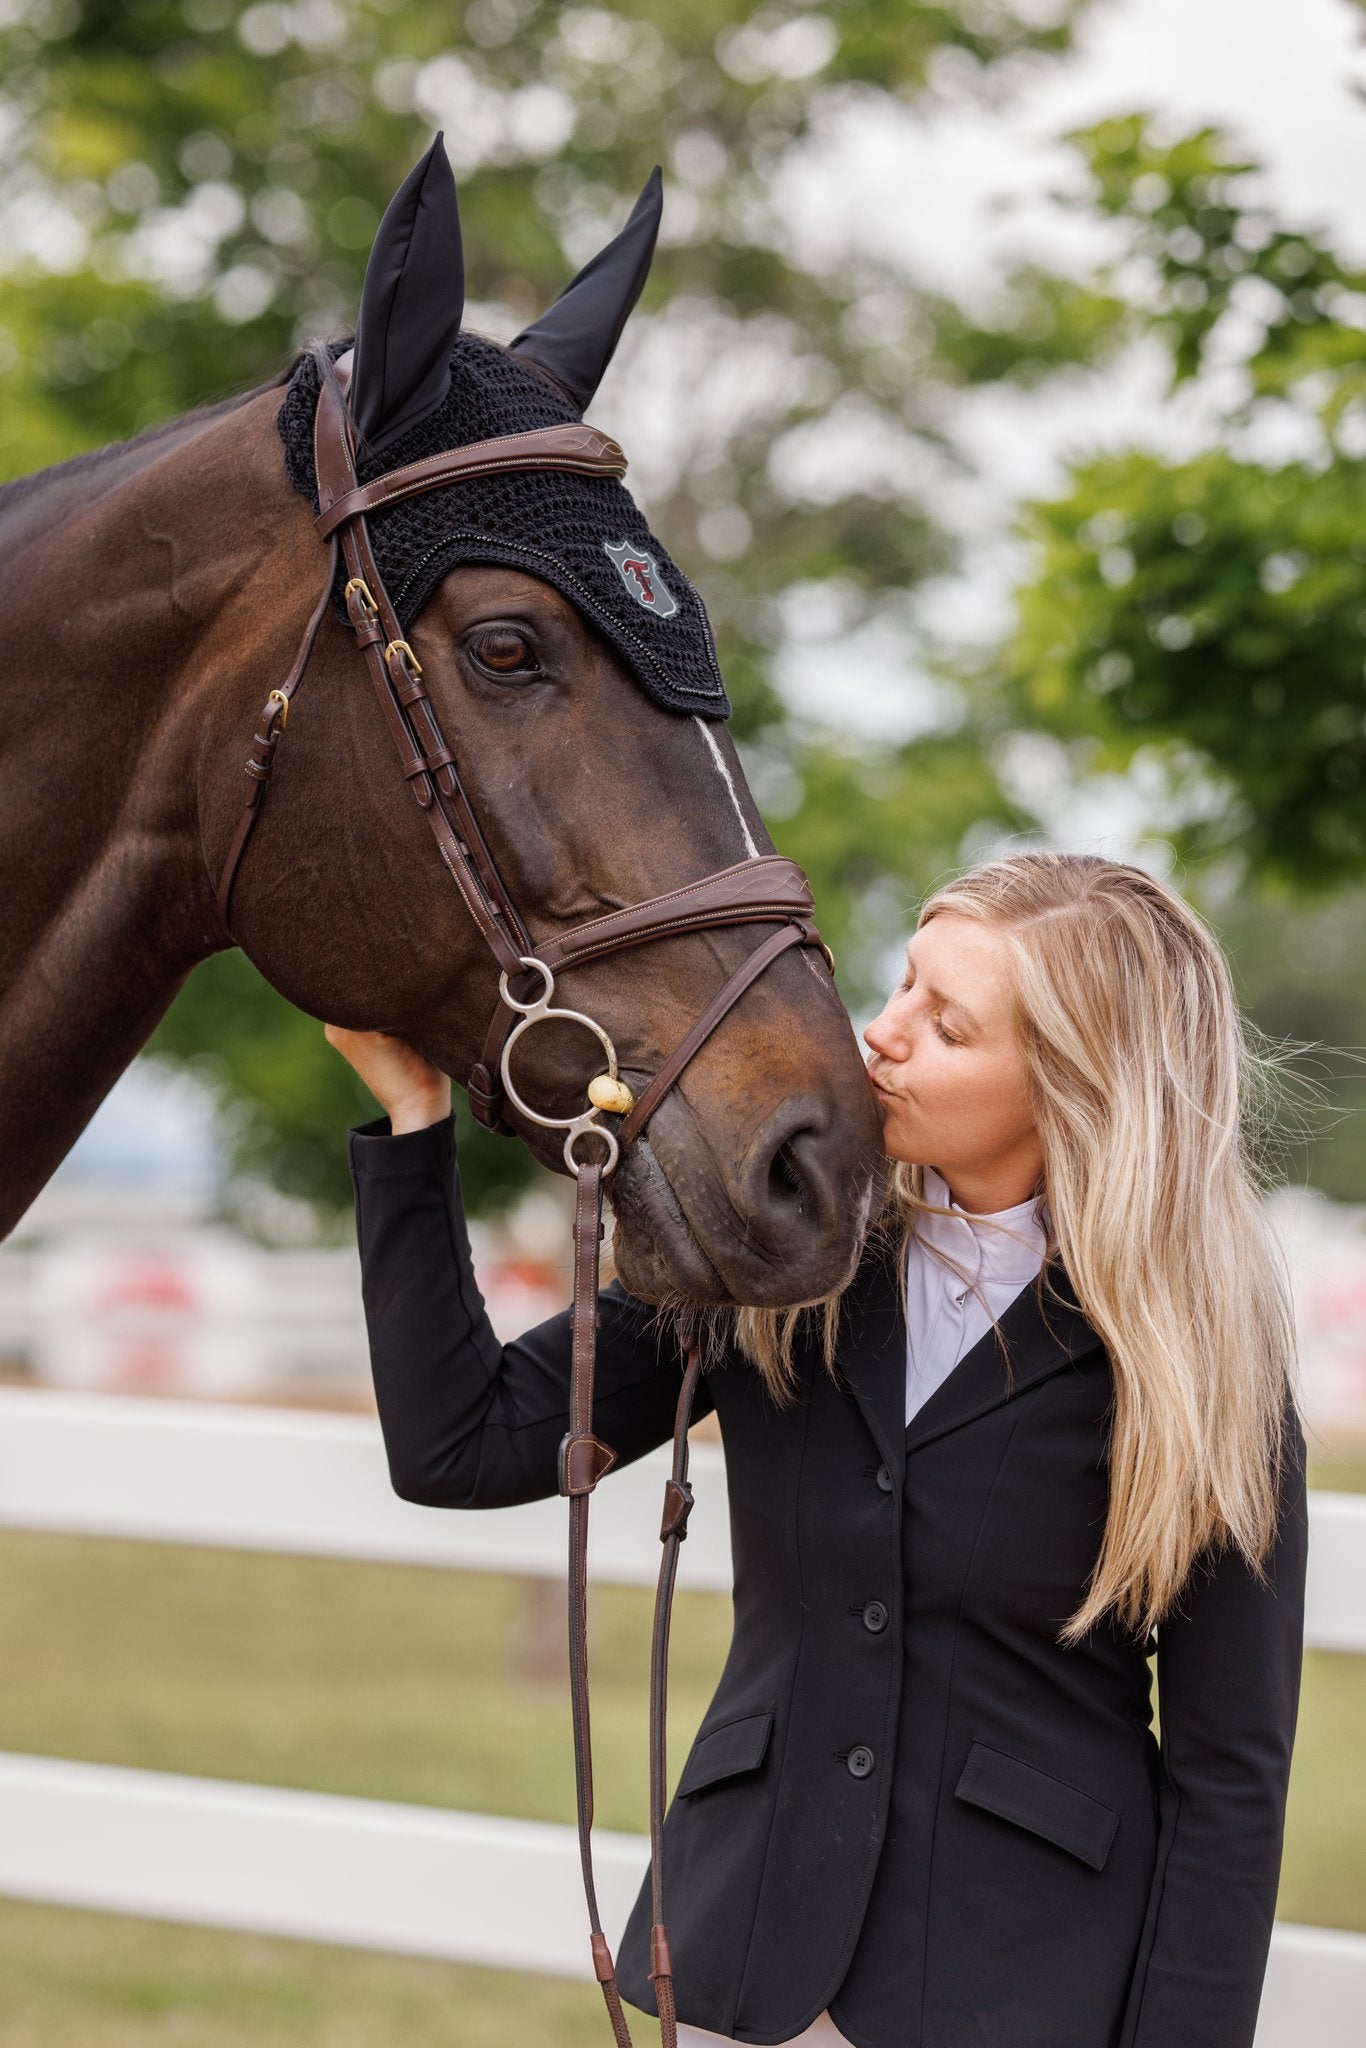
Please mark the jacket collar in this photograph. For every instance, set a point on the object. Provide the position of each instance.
(1003, 1252)
(1037, 1342)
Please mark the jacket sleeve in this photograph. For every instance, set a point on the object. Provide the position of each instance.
(469, 1422)
(1228, 1682)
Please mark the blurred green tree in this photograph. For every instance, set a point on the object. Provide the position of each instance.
(1297, 968)
(1213, 610)
(192, 187)
(1210, 613)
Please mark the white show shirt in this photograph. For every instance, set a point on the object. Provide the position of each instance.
(944, 1317)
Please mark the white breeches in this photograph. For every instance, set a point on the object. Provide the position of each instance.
(824, 2034)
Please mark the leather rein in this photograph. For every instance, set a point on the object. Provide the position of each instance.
(766, 890)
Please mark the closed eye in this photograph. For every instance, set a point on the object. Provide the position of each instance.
(906, 985)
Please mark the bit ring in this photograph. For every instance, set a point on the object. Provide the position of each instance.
(540, 1010)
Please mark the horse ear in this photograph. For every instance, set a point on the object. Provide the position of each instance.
(410, 306)
(577, 338)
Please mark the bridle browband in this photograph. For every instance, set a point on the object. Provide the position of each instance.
(765, 890)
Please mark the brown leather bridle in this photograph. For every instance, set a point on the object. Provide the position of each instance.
(765, 890)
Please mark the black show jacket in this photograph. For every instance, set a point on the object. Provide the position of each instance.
(906, 1801)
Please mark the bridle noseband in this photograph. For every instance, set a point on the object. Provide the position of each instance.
(766, 890)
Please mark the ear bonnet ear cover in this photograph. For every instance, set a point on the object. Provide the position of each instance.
(410, 306)
(577, 338)
(584, 535)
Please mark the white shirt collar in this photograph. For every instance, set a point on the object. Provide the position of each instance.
(1003, 1249)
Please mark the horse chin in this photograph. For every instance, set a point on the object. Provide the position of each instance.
(657, 1256)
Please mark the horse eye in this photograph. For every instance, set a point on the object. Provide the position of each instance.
(503, 652)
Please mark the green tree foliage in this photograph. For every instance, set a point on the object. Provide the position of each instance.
(287, 1100)
(1214, 609)
(1297, 969)
(194, 186)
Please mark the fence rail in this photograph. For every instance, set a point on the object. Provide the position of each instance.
(263, 1479)
(368, 1873)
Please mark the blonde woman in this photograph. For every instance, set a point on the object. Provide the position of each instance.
(1048, 1429)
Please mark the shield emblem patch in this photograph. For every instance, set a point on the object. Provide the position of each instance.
(640, 573)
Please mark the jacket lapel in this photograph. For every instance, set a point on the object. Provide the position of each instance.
(872, 1354)
(1036, 1341)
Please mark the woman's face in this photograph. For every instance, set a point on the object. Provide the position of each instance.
(947, 1066)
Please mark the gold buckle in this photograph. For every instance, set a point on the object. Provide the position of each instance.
(279, 697)
(367, 603)
(402, 647)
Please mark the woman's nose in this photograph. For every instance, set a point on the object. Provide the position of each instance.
(879, 1036)
(892, 1033)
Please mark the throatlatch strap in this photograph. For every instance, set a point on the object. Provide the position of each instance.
(261, 759)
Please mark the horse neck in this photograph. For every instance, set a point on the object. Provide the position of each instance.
(114, 593)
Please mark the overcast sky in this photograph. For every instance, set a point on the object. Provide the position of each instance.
(1282, 74)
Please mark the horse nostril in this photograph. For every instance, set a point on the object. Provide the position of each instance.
(794, 1179)
(787, 1187)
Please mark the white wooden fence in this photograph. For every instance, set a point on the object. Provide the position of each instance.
(374, 1874)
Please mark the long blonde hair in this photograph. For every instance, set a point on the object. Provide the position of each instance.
(1150, 1094)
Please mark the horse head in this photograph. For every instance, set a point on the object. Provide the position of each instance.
(571, 673)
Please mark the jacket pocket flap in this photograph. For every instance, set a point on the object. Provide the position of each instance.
(725, 1751)
(1036, 1800)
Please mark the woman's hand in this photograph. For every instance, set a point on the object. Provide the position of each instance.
(402, 1080)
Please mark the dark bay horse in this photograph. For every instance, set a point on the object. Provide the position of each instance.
(153, 594)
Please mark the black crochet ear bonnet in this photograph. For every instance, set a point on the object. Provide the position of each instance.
(584, 535)
(419, 386)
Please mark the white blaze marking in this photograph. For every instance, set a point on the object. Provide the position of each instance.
(751, 850)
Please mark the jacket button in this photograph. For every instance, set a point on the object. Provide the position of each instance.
(884, 1478)
(860, 1761)
(875, 1617)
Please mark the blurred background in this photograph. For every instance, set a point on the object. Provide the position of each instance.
(1001, 381)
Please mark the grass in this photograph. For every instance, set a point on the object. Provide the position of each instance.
(442, 1689)
(434, 1687)
(84, 1980)
(1337, 1468)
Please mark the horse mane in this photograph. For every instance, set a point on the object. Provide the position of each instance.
(136, 454)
